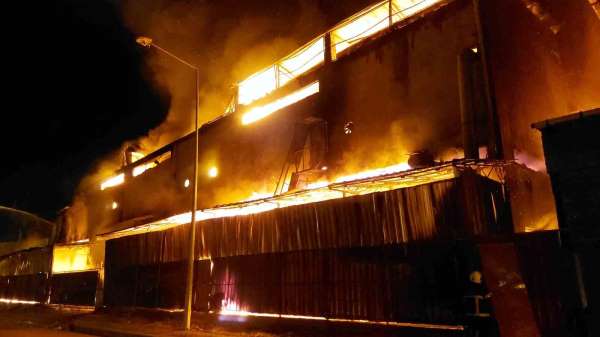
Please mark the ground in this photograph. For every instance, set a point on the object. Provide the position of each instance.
(69, 321)
(34, 332)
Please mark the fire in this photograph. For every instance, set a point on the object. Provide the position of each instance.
(374, 173)
(362, 25)
(351, 31)
(71, 258)
(362, 175)
(302, 61)
(16, 301)
(405, 8)
(257, 196)
(370, 181)
(232, 309)
(263, 111)
(142, 168)
(374, 19)
(229, 306)
(135, 156)
(150, 164)
(113, 181)
(257, 86)
(76, 258)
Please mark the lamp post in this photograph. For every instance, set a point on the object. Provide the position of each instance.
(147, 42)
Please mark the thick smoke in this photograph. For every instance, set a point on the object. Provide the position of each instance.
(228, 41)
(545, 57)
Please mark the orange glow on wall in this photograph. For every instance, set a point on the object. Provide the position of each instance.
(76, 258)
(154, 162)
(142, 168)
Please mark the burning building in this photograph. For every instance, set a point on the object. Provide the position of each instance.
(363, 177)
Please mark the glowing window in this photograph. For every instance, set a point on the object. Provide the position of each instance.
(263, 111)
(401, 9)
(302, 61)
(73, 258)
(361, 26)
(113, 181)
(257, 86)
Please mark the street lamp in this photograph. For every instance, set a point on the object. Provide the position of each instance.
(147, 42)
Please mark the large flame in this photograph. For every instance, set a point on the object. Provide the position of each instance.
(17, 301)
(70, 258)
(302, 61)
(113, 181)
(232, 309)
(370, 181)
(257, 86)
(263, 111)
(362, 25)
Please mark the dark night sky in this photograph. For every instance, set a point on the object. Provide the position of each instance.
(74, 90)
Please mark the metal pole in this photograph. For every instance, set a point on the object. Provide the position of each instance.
(495, 150)
(189, 285)
(191, 257)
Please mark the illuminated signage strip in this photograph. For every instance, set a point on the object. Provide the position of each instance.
(257, 86)
(263, 111)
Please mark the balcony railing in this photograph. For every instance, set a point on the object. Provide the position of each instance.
(344, 35)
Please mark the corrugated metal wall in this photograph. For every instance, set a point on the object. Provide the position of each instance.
(549, 273)
(389, 283)
(24, 275)
(384, 256)
(465, 207)
(74, 288)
